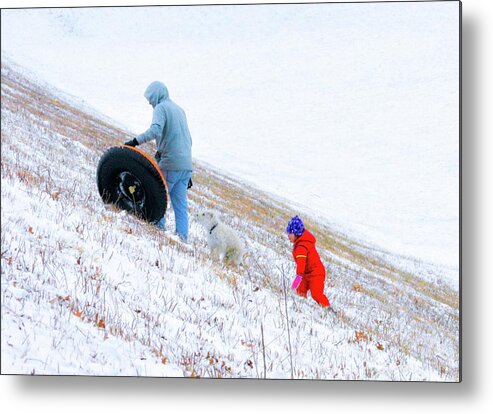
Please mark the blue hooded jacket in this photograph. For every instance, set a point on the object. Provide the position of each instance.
(169, 128)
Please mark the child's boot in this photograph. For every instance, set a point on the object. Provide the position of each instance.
(330, 309)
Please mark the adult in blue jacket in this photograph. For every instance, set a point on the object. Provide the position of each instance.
(174, 151)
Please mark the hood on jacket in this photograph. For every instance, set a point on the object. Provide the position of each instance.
(156, 92)
(306, 237)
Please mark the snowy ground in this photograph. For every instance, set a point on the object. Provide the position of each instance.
(351, 110)
(87, 289)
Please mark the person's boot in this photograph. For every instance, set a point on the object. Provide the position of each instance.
(330, 309)
(161, 224)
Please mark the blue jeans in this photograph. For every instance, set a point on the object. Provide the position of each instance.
(177, 182)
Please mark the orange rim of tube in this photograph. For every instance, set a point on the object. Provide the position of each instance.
(151, 160)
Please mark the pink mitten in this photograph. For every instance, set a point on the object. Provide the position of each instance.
(296, 282)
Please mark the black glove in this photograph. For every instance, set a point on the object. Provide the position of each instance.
(132, 143)
(190, 184)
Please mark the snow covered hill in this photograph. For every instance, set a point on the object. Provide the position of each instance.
(90, 290)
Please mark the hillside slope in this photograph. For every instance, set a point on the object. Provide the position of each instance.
(88, 289)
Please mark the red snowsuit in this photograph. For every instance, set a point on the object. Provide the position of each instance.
(310, 267)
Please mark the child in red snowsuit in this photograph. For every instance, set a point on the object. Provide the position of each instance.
(310, 272)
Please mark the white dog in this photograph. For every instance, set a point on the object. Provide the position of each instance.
(222, 239)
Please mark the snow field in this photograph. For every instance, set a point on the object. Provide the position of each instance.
(90, 290)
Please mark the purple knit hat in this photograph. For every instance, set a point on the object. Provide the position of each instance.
(295, 226)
